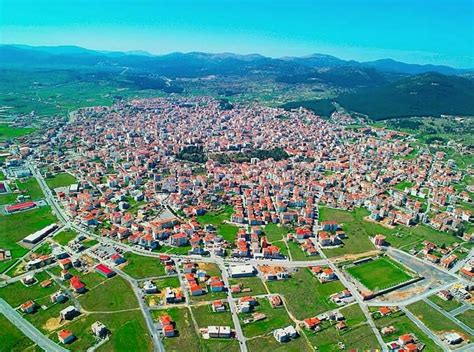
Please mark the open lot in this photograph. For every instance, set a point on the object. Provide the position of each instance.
(298, 254)
(17, 293)
(276, 318)
(65, 236)
(379, 274)
(404, 325)
(253, 283)
(357, 336)
(467, 318)
(62, 179)
(434, 320)
(446, 305)
(13, 339)
(218, 219)
(358, 234)
(268, 343)
(10, 132)
(275, 232)
(304, 294)
(17, 226)
(205, 316)
(27, 187)
(140, 267)
(111, 295)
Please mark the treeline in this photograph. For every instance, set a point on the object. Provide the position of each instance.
(241, 157)
(193, 153)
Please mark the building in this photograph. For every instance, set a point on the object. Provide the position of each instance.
(77, 285)
(99, 329)
(104, 270)
(66, 336)
(219, 331)
(241, 271)
(453, 338)
(39, 235)
(19, 207)
(28, 307)
(149, 287)
(58, 297)
(68, 313)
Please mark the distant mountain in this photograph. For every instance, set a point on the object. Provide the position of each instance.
(428, 94)
(389, 65)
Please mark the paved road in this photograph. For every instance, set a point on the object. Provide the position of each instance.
(461, 309)
(28, 329)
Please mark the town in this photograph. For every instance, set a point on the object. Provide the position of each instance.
(241, 228)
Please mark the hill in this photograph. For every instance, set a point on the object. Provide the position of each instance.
(429, 94)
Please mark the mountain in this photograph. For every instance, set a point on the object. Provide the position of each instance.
(389, 65)
(428, 94)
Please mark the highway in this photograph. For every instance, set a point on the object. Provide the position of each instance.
(28, 329)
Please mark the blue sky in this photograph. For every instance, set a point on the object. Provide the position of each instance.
(417, 31)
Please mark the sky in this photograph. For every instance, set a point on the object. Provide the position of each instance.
(414, 31)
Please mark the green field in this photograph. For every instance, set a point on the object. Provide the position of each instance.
(17, 226)
(298, 254)
(402, 185)
(446, 305)
(205, 316)
(404, 325)
(357, 230)
(275, 232)
(254, 283)
(434, 320)
(65, 236)
(13, 339)
(379, 274)
(304, 295)
(268, 343)
(27, 187)
(467, 318)
(112, 295)
(10, 132)
(17, 293)
(217, 219)
(358, 335)
(276, 318)
(140, 267)
(62, 179)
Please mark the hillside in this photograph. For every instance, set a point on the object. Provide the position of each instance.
(429, 94)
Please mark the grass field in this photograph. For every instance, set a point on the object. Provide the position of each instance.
(304, 295)
(205, 316)
(62, 179)
(378, 274)
(434, 320)
(12, 339)
(254, 283)
(10, 132)
(467, 318)
(268, 343)
(140, 267)
(446, 305)
(172, 282)
(112, 295)
(187, 339)
(17, 226)
(276, 318)
(402, 185)
(404, 325)
(353, 224)
(17, 293)
(298, 254)
(357, 336)
(275, 232)
(217, 219)
(27, 187)
(65, 236)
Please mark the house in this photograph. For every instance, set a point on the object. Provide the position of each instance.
(218, 306)
(58, 297)
(449, 261)
(104, 270)
(28, 307)
(453, 338)
(379, 240)
(327, 275)
(384, 311)
(215, 284)
(275, 301)
(76, 285)
(167, 326)
(66, 336)
(179, 239)
(405, 339)
(65, 263)
(149, 287)
(312, 323)
(285, 334)
(219, 331)
(273, 272)
(68, 313)
(28, 280)
(99, 329)
(241, 271)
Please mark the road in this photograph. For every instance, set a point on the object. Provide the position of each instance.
(28, 329)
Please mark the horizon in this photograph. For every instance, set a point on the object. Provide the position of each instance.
(440, 34)
(141, 52)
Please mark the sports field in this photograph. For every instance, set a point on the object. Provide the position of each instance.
(379, 274)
